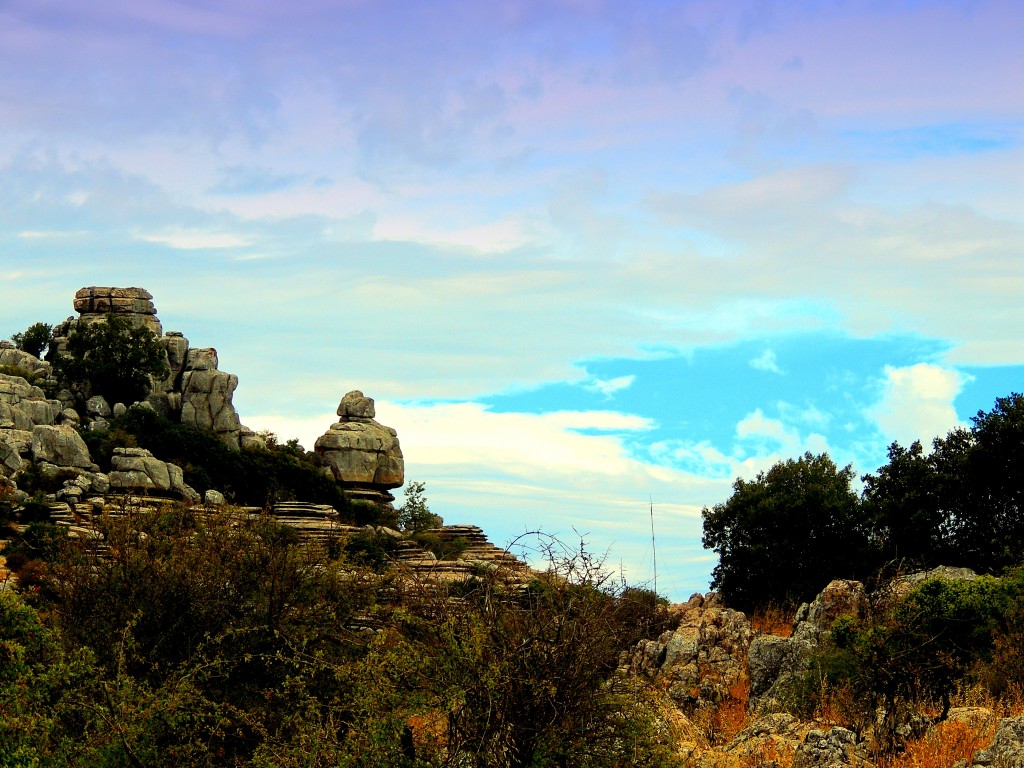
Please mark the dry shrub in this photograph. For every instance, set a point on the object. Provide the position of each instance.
(721, 723)
(770, 752)
(942, 747)
(773, 619)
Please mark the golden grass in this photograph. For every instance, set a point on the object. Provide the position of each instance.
(942, 746)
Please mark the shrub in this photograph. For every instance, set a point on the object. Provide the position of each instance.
(414, 514)
(112, 358)
(35, 339)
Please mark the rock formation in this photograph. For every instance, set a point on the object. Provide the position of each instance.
(194, 391)
(94, 303)
(703, 659)
(361, 453)
(136, 470)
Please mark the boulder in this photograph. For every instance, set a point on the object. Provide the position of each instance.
(136, 469)
(834, 748)
(24, 405)
(1006, 749)
(60, 446)
(10, 457)
(97, 407)
(361, 453)
(206, 401)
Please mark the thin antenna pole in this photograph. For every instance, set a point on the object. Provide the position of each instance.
(654, 549)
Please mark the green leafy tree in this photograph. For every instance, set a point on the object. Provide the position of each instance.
(35, 339)
(112, 358)
(786, 534)
(903, 507)
(414, 514)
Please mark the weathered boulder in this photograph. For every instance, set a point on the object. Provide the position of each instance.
(136, 469)
(60, 446)
(1007, 748)
(361, 453)
(776, 663)
(769, 739)
(11, 356)
(700, 662)
(97, 407)
(10, 457)
(834, 748)
(94, 303)
(206, 398)
(24, 405)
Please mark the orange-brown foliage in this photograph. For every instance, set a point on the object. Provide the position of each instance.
(773, 620)
(942, 747)
(720, 724)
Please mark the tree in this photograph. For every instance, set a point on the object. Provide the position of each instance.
(414, 514)
(902, 505)
(112, 358)
(786, 534)
(35, 339)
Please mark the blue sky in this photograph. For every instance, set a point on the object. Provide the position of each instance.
(586, 255)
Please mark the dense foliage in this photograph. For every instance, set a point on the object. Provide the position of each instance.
(783, 535)
(787, 533)
(35, 339)
(222, 640)
(251, 477)
(113, 359)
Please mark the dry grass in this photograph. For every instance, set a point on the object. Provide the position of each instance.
(720, 724)
(773, 620)
(941, 747)
(768, 752)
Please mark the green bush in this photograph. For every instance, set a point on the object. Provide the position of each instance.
(112, 358)
(257, 477)
(442, 547)
(35, 339)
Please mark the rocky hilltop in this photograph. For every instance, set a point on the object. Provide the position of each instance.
(41, 433)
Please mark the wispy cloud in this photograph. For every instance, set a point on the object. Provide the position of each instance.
(608, 387)
(766, 361)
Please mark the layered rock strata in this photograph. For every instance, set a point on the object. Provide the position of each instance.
(361, 453)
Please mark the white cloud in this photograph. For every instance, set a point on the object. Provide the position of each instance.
(766, 361)
(190, 240)
(609, 387)
(512, 472)
(917, 402)
(765, 440)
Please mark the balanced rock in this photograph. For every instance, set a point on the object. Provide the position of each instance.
(361, 453)
(135, 304)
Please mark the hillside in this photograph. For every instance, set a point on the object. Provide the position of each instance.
(179, 590)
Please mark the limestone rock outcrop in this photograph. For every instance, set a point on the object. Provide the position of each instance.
(361, 453)
(1007, 748)
(775, 662)
(703, 659)
(136, 470)
(193, 392)
(94, 303)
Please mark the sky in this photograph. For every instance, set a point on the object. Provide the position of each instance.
(592, 259)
